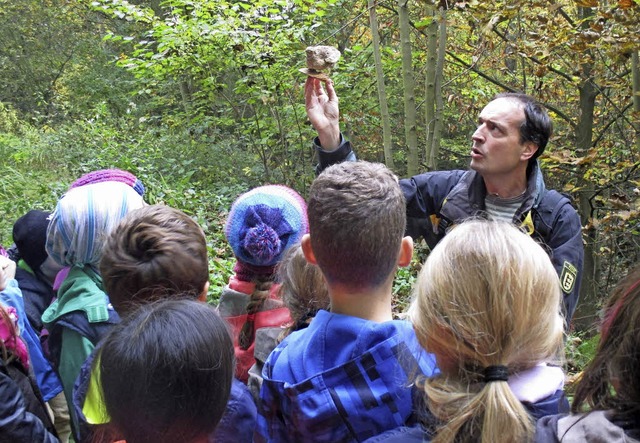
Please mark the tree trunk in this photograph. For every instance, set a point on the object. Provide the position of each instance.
(432, 160)
(411, 135)
(587, 308)
(382, 93)
(430, 85)
(185, 94)
(635, 73)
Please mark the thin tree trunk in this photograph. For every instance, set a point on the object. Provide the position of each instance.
(382, 93)
(430, 85)
(185, 94)
(635, 73)
(587, 308)
(409, 89)
(432, 160)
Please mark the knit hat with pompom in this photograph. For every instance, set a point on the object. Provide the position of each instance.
(262, 224)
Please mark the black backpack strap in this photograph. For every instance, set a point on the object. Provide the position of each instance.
(548, 209)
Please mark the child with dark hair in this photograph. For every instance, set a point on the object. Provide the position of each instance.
(36, 270)
(156, 252)
(23, 414)
(348, 375)
(262, 225)
(81, 314)
(607, 397)
(304, 292)
(166, 371)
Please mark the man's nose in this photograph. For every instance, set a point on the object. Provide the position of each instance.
(477, 135)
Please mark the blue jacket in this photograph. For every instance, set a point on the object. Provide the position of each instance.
(47, 379)
(553, 404)
(342, 379)
(437, 200)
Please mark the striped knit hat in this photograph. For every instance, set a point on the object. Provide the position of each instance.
(263, 223)
(83, 219)
(110, 175)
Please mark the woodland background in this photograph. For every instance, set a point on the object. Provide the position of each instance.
(203, 100)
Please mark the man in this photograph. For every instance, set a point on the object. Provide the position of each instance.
(504, 181)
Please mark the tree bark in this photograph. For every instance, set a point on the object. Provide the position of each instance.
(432, 160)
(410, 124)
(635, 73)
(430, 85)
(382, 93)
(587, 308)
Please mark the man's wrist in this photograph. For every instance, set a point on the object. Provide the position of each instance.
(330, 140)
(328, 158)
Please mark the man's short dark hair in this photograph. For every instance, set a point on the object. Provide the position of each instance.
(537, 126)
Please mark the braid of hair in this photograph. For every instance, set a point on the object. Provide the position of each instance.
(301, 323)
(258, 296)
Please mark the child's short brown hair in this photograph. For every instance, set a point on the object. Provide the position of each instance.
(357, 219)
(155, 252)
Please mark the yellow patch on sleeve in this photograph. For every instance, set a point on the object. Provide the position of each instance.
(568, 277)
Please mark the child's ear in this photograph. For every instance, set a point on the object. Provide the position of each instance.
(203, 294)
(406, 251)
(307, 251)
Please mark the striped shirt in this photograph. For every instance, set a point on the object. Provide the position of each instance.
(503, 208)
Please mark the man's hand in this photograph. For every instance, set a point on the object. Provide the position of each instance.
(7, 271)
(323, 112)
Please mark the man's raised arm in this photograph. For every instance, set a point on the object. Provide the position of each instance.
(324, 114)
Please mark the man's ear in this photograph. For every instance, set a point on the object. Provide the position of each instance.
(530, 148)
(406, 251)
(307, 250)
(203, 294)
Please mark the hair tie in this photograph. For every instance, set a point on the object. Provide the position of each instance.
(495, 373)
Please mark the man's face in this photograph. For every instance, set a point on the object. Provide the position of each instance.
(496, 146)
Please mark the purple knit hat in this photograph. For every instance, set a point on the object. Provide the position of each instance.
(262, 224)
(110, 175)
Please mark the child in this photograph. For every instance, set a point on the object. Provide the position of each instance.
(76, 321)
(304, 292)
(166, 370)
(487, 304)
(262, 225)
(155, 252)
(23, 414)
(607, 397)
(303, 289)
(348, 375)
(36, 270)
(101, 176)
(29, 296)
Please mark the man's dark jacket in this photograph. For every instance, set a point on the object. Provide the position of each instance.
(440, 199)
